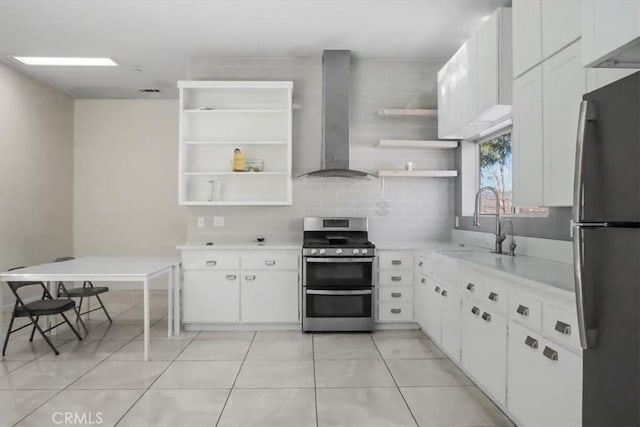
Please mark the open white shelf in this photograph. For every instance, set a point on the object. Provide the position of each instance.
(235, 142)
(233, 173)
(414, 143)
(419, 112)
(233, 111)
(418, 173)
(238, 203)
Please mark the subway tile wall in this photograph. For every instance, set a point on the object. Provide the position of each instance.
(400, 209)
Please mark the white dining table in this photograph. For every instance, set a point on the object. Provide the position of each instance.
(111, 269)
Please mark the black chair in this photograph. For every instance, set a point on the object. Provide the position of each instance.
(86, 291)
(46, 306)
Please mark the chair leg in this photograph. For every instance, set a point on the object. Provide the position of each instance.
(79, 320)
(71, 326)
(80, 305)
(6, 339)
(33, 330)
(46, 338)
(104, 308)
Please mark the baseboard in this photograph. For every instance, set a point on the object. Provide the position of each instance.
(189, 327)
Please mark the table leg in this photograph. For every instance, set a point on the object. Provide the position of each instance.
(145, 290)
(177, 305)
(170, 285)
(49, 323)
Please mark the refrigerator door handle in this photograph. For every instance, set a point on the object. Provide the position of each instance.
(586, 332)
(587, 113)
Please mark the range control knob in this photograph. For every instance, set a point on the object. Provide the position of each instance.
(356, 251)
(338, 251)
(322, 251)
(313, 251)
(365, 251)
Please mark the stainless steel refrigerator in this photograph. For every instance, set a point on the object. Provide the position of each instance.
(606, 233)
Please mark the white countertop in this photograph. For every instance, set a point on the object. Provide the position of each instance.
(241, 246)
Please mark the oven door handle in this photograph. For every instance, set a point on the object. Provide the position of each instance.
(345, 260)
(321, 292)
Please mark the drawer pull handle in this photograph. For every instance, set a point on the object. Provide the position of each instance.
(231, 277)
(443, 293)
(470, 286)
(396, 278)
(493, 296)
(523, 310)
(475, 310)
(396, 262)
(423, 280)
(212, 263)
(396, 310)
(550, 353)
(531, 342)
(563, 328)
(252, 277)
(486, 316)
(270, 262)
(437, 289)
(396, 294)
(420, 264)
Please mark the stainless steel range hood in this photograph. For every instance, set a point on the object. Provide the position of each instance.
(336, 66)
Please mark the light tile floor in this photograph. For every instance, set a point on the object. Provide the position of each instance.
(240, 379)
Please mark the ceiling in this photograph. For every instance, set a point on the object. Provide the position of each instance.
(153, 40)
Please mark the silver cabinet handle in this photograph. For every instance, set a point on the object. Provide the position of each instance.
(396, 310)
(475, 310)
(437, 289)
(531, 342)
(212, 263)
(486, 316)
(337, 293)
(423, 280)
(550, 353)
(522, 310)
(493, 296)
(420, 264)
(231, 277)
(396, 262)
(251, 277)
(470, 286)
(396, 294)
(563, 328)
(396, 278)
(270, 262)
(443, 293)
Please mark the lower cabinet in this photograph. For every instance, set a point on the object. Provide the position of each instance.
(269, 296)
(484, 347)
(211, 296)
(544, 380)
(442, 317)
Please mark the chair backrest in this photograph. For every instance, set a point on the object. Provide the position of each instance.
(64, 258)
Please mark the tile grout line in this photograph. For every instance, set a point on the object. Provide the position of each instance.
(157, 378)
(315, 381)
(394, 380)
(236, 378)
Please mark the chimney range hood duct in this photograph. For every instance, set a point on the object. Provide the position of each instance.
(336, 66)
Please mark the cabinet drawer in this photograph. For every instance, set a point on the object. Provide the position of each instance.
(525, 310)
(395, 311)
(560, 326)
(471, 283)
(396, 293)
(271, 261)
(494, 294)
(396, 260)
(210, 260)
(396, 277)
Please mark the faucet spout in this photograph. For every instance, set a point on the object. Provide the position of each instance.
(476, 216)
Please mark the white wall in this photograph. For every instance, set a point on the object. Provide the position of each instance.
(36, 171)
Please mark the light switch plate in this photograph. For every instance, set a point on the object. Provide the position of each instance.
(201, 222)
(218, 221)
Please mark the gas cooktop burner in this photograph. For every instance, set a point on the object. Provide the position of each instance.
(333, 237)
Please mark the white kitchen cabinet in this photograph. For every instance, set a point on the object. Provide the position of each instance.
(269, 296)
(420, 300)
(395, 290)
(610, 33)
(544, 380)
(217, 117)
(433, 317)
(599, 77)
(560, 24)
(527, 35)
(484, 347)
(564, 83)
(451, 302)
(211, 296)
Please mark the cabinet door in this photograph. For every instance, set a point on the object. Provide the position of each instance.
(269, 296)
(560, 24)
(527, 139)
(433, 316)
(527, 35)
(420, 301)
(451, 302)
(488, 53)
(211, 296)
(445, 105)
(564, 83)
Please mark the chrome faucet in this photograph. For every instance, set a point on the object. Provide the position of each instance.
(476, 217)
(512, 245)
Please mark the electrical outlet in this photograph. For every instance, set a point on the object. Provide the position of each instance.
(201, 222)
(457, 221)
(218, 221)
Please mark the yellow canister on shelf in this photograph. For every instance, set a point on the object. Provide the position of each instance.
(238, 160)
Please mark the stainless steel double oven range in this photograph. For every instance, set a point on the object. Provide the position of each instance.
(337, 275)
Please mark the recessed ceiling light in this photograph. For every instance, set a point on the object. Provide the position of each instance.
(42, 60)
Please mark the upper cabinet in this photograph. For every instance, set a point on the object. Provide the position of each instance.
(474, 86)
(560, 24)
(611, 33)
(218, 117)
